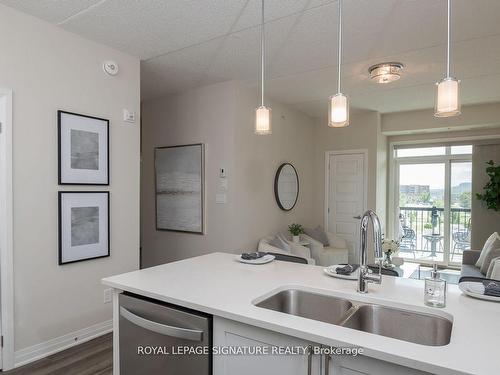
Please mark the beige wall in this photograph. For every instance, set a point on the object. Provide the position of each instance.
(423, 121)
(221, 116)
(50, 69)
(362, 133)
(484, 221)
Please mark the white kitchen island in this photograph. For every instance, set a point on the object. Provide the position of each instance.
(219, 285)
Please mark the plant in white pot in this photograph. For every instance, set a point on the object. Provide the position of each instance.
(296, 230)
(428, 228)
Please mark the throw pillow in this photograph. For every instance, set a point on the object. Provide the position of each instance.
(280, 244)
(495, 263)
(318, 234)
(494, 252)
(491, 239)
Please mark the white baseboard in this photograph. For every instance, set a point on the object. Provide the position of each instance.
(44, 349)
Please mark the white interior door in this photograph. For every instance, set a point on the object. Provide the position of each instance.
(346, 195)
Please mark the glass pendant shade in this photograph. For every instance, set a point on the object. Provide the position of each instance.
(263, 120)
(447, 98)
(338, 111)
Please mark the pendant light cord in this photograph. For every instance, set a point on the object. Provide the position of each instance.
(262, 51)
(448, 43)
(340, 45)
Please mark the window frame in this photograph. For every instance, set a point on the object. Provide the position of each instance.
(447, 159)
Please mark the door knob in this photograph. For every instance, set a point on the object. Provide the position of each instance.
(357, 217)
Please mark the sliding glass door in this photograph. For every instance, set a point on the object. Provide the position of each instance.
(432, 200)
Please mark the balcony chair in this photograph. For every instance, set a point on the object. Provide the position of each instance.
(408, 242)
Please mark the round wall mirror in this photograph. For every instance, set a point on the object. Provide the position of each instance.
(286, 186)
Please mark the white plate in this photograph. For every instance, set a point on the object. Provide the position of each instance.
(262, 260)
(476, 290)
(330, 271)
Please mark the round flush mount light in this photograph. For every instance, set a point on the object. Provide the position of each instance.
(385, 72)
(110, 67)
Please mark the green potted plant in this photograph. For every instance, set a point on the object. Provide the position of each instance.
(491, 191)
(296, 230)
(428, 228)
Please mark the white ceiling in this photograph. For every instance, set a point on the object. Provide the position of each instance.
(189, 43)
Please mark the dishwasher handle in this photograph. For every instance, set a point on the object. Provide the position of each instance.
(162, 329)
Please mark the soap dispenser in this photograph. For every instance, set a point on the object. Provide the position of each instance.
(435, 289)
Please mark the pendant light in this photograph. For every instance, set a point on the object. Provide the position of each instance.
(262, 113)
(338, 106)
(448, 89)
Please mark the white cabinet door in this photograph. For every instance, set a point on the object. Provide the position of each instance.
(360, 365)
(229, 334)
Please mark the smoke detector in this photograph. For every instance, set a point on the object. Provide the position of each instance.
(110, 67)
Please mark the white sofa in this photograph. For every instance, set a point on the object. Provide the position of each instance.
(296, 249)
(336, 253)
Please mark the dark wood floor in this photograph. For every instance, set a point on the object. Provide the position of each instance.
(94, 357)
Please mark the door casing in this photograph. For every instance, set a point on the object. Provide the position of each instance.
(328, 155)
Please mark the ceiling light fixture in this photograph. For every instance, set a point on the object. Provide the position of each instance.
(338, 104)
(262, 113)
(386, 72)
(448, 89)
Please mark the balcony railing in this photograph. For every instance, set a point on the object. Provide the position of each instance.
(423, 233)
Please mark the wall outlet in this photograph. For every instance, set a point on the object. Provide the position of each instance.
(108, 295)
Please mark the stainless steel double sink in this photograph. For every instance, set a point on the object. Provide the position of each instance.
(406, 325)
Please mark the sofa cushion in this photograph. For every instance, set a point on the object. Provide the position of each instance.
(491, 253)
(493, 241)
(318, 234)
(471, 271)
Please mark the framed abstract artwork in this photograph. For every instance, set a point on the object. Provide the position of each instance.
(179, 180)
(83, 225)
(83, 143)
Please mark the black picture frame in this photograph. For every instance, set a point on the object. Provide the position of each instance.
(276, 193)
(202, 166)
(60, 227)
(59, 153)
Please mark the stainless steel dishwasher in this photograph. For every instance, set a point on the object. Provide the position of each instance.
(158, 338)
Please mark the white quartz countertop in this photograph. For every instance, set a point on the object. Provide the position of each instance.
(217, 284)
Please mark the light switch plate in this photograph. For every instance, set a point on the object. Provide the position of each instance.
(128, 116)
(220, 198)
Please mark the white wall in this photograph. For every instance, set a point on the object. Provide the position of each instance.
(484, 221)
(50, 69)
(221, 116)
(478, 116)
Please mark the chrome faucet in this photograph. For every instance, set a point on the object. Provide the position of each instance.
(365, 274)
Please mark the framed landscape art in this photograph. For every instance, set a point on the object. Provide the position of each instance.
(179, 174)
(83, 225)
(83, 149)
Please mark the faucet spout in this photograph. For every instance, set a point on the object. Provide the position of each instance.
(365, 275)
